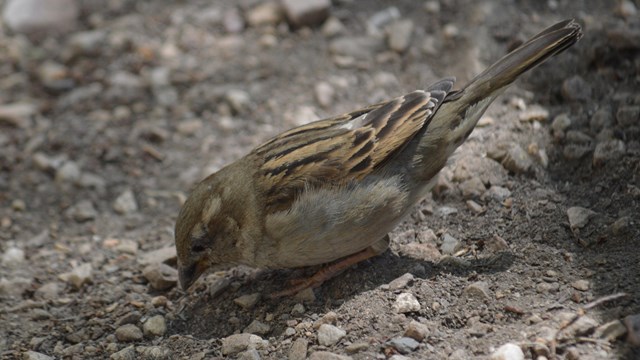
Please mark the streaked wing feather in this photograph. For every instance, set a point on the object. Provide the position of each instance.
(343, 148)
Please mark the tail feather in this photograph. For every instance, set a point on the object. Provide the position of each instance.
(533, 52)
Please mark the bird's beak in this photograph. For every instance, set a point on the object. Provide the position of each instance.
(189, 273)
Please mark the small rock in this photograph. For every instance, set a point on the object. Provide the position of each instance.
(128, 332)
(417, 330)
(54, 76)
(607, 151)
(432, 6)
(380, 19)
(472, 188)
(444, 211)
(362, 47)
(401, 282)
(508, 351)
(579, 216)
(125, 203)
(247, 302)
(534, 113)
(450, 245)
(251, 354)
(160, 276)
(621, 226)
(404, 345)
(189, 127)
(632, 322)
(158, 256)
(48, 291)
(17, 114)
(13, 257)
(129, 318)
(82, 211)
(328, 318)
(154, 353)
(496, 244)
(306, 296)
(79, 276)
(576, 89)
(517, 160)
(601, 119)
(626, 9)
(329, 335)
(240, 342)
(239, 100)
(68, 172)
(128, 353)
(324, 94)
(399, 35)
(298, 309)
(266, 13)
(127, 246)
(575, 152)
(582, 285)
(478, 290)
(155, 326)
(298, 350)
(356, 347)
(87, 42)
(40, 17)
(406, 302)
(332, 27)
(233, 21)
(583, 326)
(427, 252)
(257, 327)
(307, 13)
(32, 355)
(14, 286)
(561, 123)
(325, 355)
(611, 331)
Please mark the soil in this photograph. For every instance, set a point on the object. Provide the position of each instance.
(170, 95)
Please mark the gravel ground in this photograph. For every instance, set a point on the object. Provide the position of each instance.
(528, 247)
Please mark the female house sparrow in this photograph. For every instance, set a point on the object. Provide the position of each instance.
(334, 188)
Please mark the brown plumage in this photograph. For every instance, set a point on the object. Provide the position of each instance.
(334, 188)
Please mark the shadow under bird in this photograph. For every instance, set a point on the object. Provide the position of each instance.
(329, 192)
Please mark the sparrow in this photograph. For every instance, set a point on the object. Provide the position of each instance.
(328, 192)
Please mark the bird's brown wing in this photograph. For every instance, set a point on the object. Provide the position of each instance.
(343, 148)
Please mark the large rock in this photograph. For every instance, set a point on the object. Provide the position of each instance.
(39, 17)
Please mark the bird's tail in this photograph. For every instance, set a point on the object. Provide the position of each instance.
(533, 52)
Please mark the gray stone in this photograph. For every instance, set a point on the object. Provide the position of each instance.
(54, 76)
(324, 94)
(405, 303)
(233, 21)
(450, 245)
(579, 216)
(87, 42)
(13, 257)
(582, 285)
(128, 333)
(69, 172)
(359, 47)
(332, 27)
(326, 355)
(472, 188)
(404, 345)
(479, 290)
(298, 350)
(155, 326)
(160, 276)
(82, 211)
(607, 151)
(508, 351)
(258, 328)
(48, 291)
(576, 88)
(128, 353)
(15, 286)
(154, 353)
(239, 100)
(298, 309)
(240, 342)
(601, 119)
(266, 13)
(399, 35)
(329, 335)
(40, 17)
(32, 355)
(517, 160)
(356, 347)
(626, 9)
(306, 12)
(251, 354)
(561, 123)
(401, 282)
(380, 19)
(79, 276)
(575, 152)
(534, 113)
(247, 302)
(125, 203)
